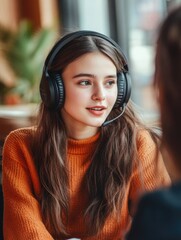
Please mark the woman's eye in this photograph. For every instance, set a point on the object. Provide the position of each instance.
(84, 83)
(110, 82)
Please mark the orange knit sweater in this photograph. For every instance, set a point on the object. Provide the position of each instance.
(21, 187)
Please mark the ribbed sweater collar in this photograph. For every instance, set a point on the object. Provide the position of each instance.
(82, 146)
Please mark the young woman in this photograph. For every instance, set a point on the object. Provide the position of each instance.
(159, 213)
(79, 171)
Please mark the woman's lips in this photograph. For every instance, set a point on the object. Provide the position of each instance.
(98, 110)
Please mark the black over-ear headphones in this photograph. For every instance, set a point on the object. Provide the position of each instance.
(52, 91)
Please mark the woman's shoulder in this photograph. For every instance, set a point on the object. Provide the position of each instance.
(143, 136)
(20, 135)
(17, 144)
(145, 142)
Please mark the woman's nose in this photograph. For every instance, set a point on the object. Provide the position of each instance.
(99, 94)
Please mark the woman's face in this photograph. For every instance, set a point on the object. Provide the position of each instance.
(90, 91)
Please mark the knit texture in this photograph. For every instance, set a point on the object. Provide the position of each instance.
(21, 187)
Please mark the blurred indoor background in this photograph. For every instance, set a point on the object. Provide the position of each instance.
(28, 30)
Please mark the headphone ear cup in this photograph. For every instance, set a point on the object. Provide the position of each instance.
(124, 89)
(52, 91)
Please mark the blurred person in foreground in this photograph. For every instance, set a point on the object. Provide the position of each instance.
(158, 214)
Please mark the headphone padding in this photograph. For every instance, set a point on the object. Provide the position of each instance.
(52, 91)
(124, 89)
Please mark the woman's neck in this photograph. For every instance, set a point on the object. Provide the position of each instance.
(82, 133)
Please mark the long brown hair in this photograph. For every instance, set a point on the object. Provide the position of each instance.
(168, 82)
(112, 162)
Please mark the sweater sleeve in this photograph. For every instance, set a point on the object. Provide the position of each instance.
(22, 215)
(150, 172)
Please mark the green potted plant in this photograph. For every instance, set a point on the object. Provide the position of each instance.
(25, 51)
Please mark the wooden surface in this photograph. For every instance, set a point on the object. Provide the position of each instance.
(13, 117)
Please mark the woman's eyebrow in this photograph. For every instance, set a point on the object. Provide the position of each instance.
(111, 76)
(92, 75)
(83, 75)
